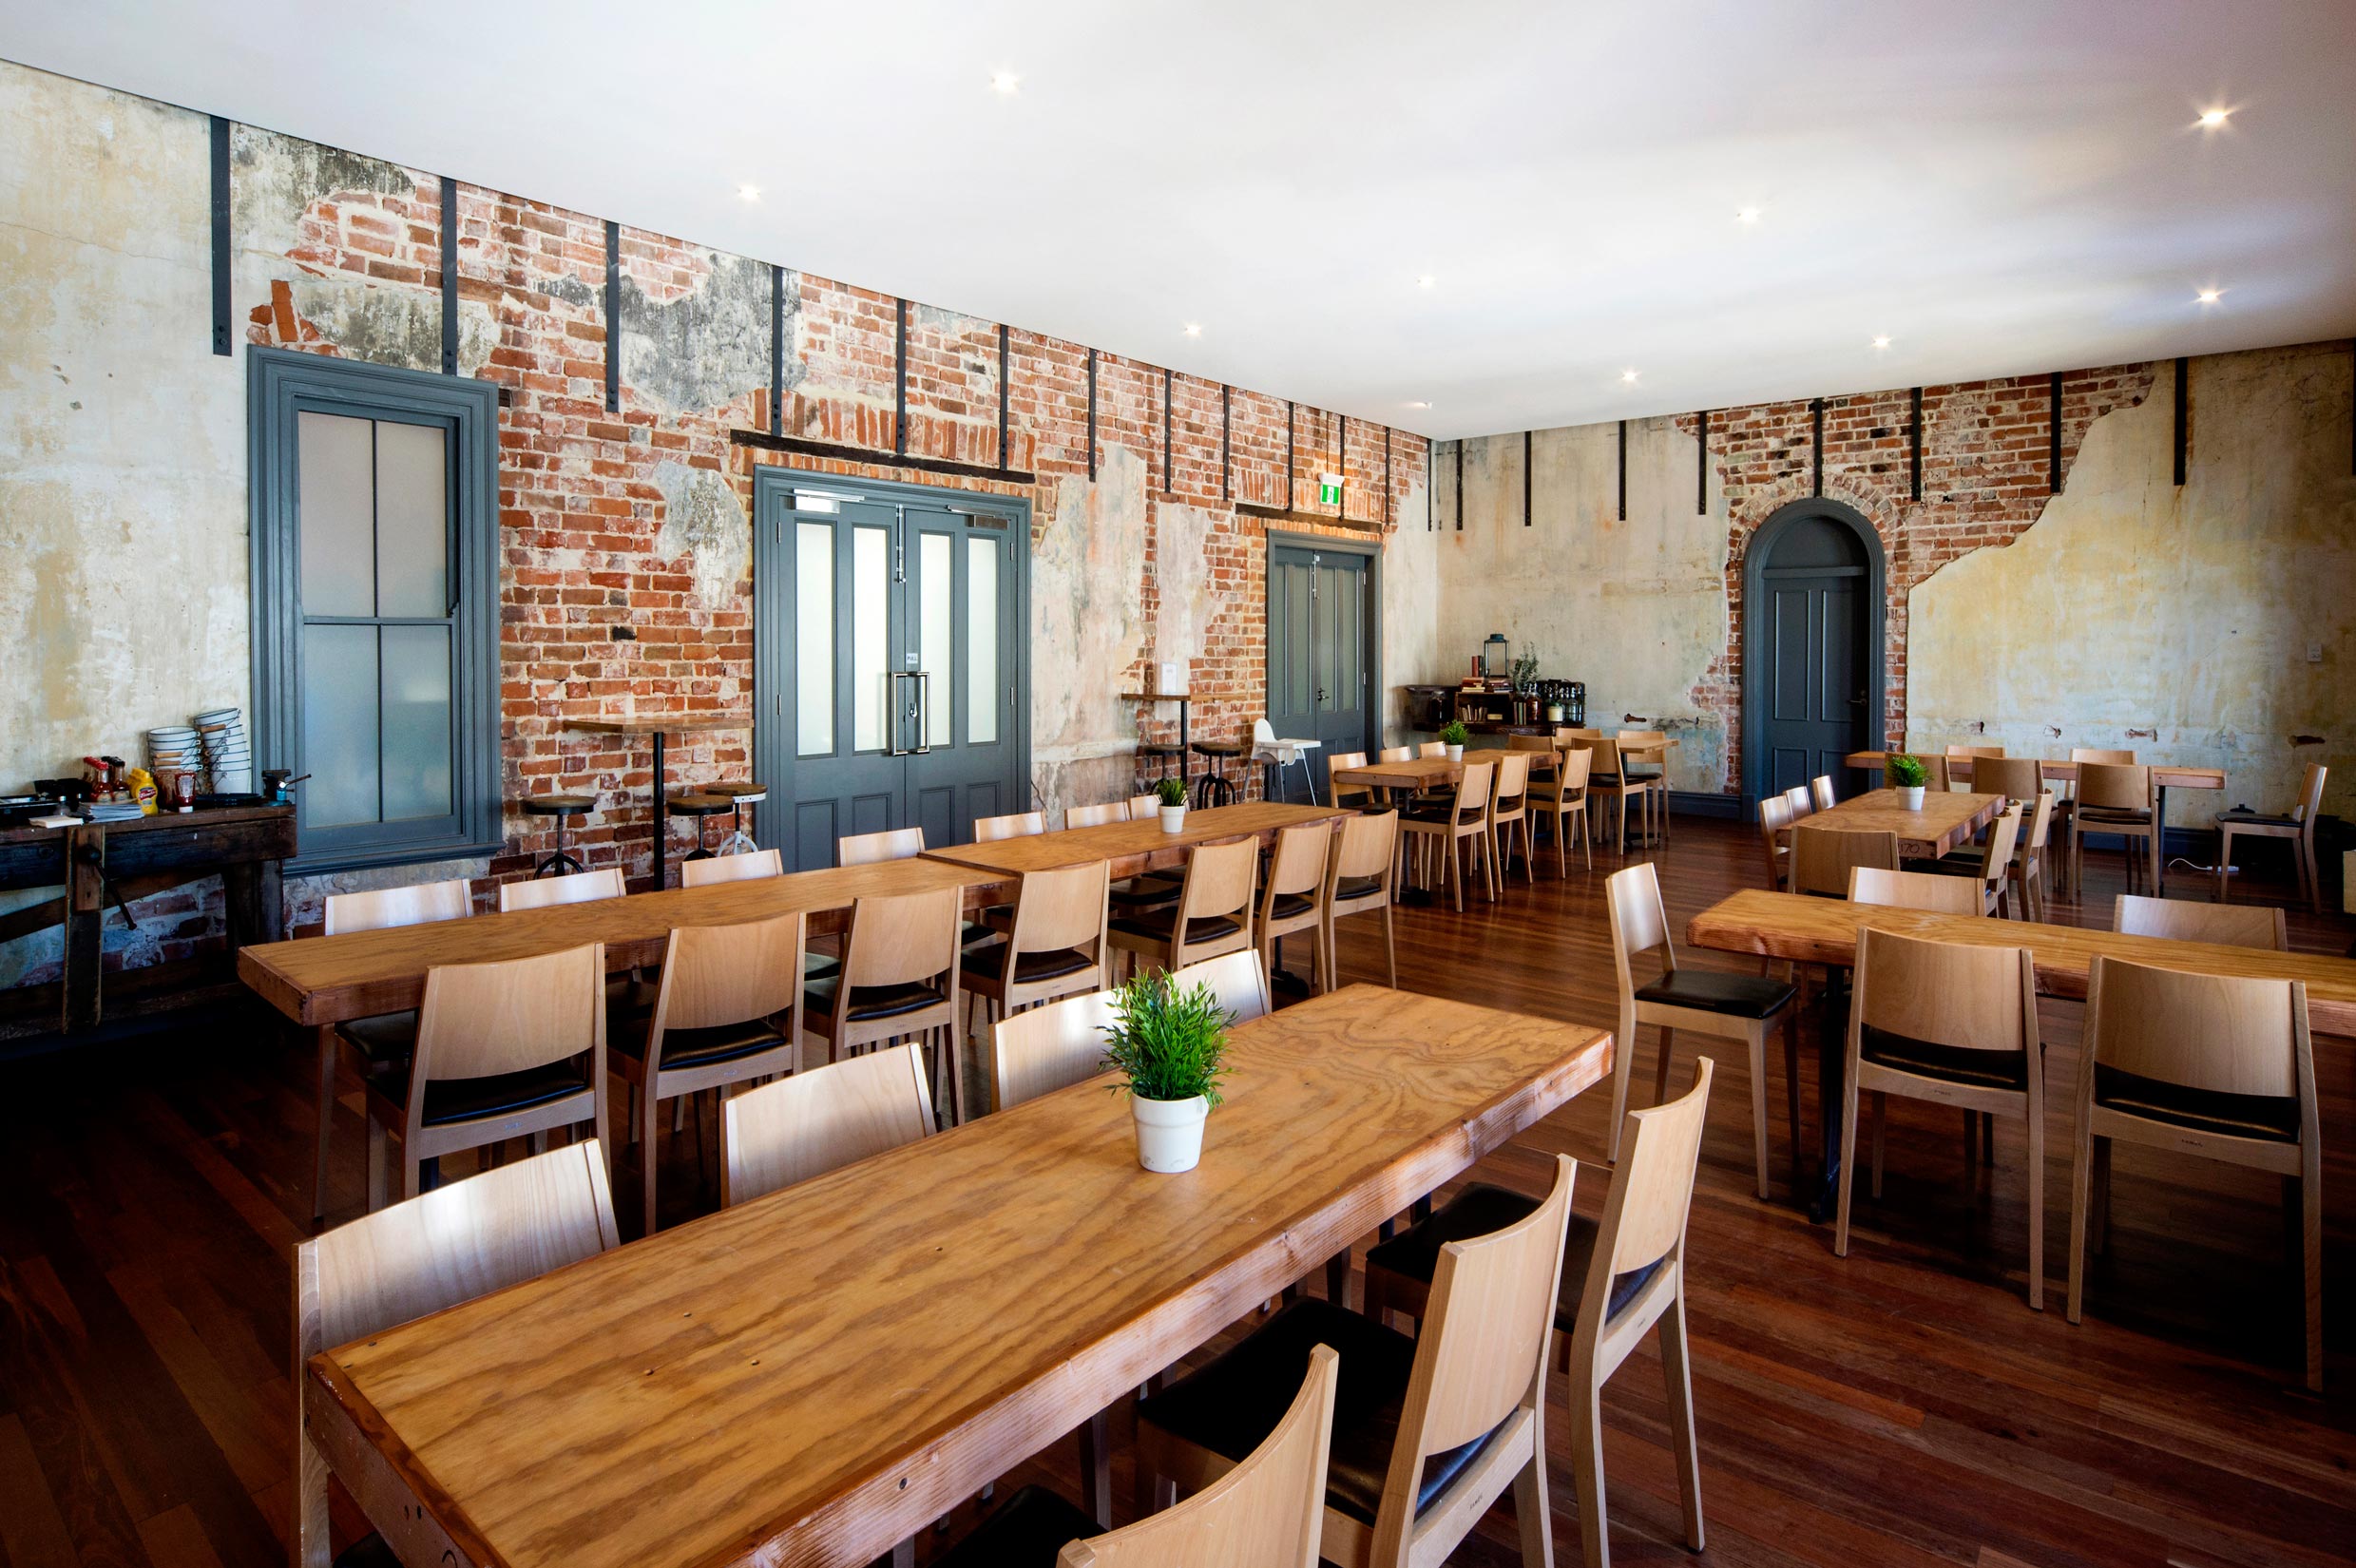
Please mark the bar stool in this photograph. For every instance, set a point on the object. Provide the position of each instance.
(562, 807)
(739, 794)
(1164, 752)
(1215, 787)
(701, 806)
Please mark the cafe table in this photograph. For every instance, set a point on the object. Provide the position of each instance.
(812, 1377)
(1134, 847)
(1945, 820)
(659, 731)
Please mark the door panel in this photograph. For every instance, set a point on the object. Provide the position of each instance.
(1815, 672)
(1316, 653)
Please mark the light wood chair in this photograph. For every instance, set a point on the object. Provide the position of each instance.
(2223, 925)
(504, 1049)
(1802, 801)
(1644, 756)
(1508, 810)
(1358, 882)
(1822, 857)
(1356, 797)
(714, 870)
(2067, 808)
(988, 829)
(2014, 777)
(2018, 866)
(899, 979)
(436, 1250)
(1774, 837)
(1095, 816)
(381, 1040)
(1460, 1409)
(1997, 864)
(1820, 796)
(580, 888)
(2221, 1066)
(2299, 827)
(1941, 777)
(1975, 754)
(1054, 946)
(1953, 1024)
(2114, 798)
(1144, 808)
(1705, 1002)
(1609, 780)
(1432, 748)
(1050, 1047)
(1459, 821)
(1561, 797)
(1915, 891)
(724, 1014)
(1238, 983)
(811, 1122)
(891, 844)
(1295, 898)
(1213, 914)
(1404, 753)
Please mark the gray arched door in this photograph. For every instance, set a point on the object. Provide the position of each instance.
(1812, 665)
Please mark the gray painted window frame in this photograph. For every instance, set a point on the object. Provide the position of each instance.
(281, 384)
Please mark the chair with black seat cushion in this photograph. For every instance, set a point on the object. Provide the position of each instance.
(564, 808)
(1610, 779)
(1054, 944)
(542, 893)
(1213, 914)
(1704, 1001)
(698, 807)
(1952, 1024)
(1915, 891)
(1295, 899)
(867, 848)
(899, 979)
(821, 1120)
(1620, 1275)
(1822, 857)
(2116, 799)
(2299, 827)
(1510, 808)
(724, 1014)
(1448, 826)
(1428, 1432)
(1215, 787)
(465, 1240)
(1050, 1047)
(1095, 816)
(1349, 797)
(1358, 882)
(2260, 926)
(1238, 981)
(504, 1050)
(1565, 797)
(2216, 1066)
(713, 870)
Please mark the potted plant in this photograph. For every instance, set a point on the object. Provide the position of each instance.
(1452, 736)
(1908, 775)
(1171, 794)
(1170, 1047)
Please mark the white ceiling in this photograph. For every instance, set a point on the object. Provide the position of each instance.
(2002, 187)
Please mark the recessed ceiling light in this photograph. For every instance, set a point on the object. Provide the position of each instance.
(1746, 215)
(2214, 119)
(1882, 342)
(1419, 405)
(751, 193)
(1006, 82)
(1426, 282)
(1194, 329)
(1629, 376)
(2209, 296)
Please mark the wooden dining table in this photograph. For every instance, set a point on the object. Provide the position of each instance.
(1945, 820)
(1411, 772)
(812, 1377)
(1137, 846)
(2165, 775)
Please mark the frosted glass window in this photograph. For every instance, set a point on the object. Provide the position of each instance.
(412, 520)
(870, 611)
(981, 641)
(416, 720)
(938, 578)
(339, 724)
(813, 638)
(336, 496)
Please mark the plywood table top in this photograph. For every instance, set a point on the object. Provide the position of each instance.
(1414, 773)
(1824, 930)
(1134, 847)
(1947, 819)
(2168, 775)
(684, 724)
(327, 979)
(814, 1375)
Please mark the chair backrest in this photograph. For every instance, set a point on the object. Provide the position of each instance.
(1262, 730)
(379, 908)
(867, 849)
(1144, 808)
(1513, 778)
(1095, 816)
(1432, 748)
(1473, 792)
(1957, 995)
(2004, 834)
(1574, 732)
(1235, 979)
(1976, 751)
(1529, 743)
(2113, 756)
(1604, 759)
(2014, 777)
(1775, 821)
(1062, 908)
(2310, 795)
(1940, 776)
(1651, 1190)
(1219, 879)
(1820, 795)
(1042, 1049)
(1822, 857)
(1641, 741)
(2114, 786)
(988, 829)
(1344, 759)
(2225, 1034)
(1572, 765)
(2226, 925)
(822, 1118)
(1364, 848)
(715, 975)
(2041, 827)
(753, 866)
(1399, 754)
(507, 1225)
(1915, 891)
(900, 939)
(1267, 1512)
(480, 1020)
(1801, 802)
(581, 887)
(1297, 863)
(1640, 923)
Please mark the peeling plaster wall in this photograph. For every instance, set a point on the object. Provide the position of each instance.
(2172, 622)
(1410, 612)
(1085, 561)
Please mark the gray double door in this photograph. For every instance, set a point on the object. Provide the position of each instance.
(1318, 664)
(890, 664)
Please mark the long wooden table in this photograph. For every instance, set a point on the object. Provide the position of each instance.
(1134, 847)
(2165, 775)
(810, 1377)
(1412, 773)
(1946, 820)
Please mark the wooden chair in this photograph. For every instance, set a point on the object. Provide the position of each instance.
(820, 1121)
(2068, 805)
(899, 979)
(1774, 836)
(1608, 778)
(1095, 816)
(2216, 1065)
(1820, 796)
(1404, 753)
(462, 1241)
(1822, 857)
(1295, 898)
(2025, 867)
(2014, 777)
(1144, 808)
(1975, 754)
(1453, 823)
(1435, 1427)
(1704, 1001)
(1508, 810)
(1560, 798)
(1955, 1024)
(1358, 882)
(2224, 924)
(1802, 801)
(504, 1050)
(579, 888)
(2299, 827)
(1238, 983)
(1941, 779)
(988, 829)
(381, 1040)
(1914, 891)
(1048, 1048)
(724, 1014)
(1356, 797)
(1054, 946)
(715, 869)
(1432, 748)
(1213, 914)
(1648, 750)
(891, 844)
(1996, 865)
(2114, 798)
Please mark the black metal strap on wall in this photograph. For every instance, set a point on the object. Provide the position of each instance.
(1388, 500)
(1526, 449)
(1002, 390)
(450, 276)
(1168, 486)
(1289, 458)
(1914, 443)
(2184, 412)
(776, 351)
(1460, 484)
(1227, 485)
(221, 235)
(1341, 464)
(1623, 470)
(1701, 475)
(613, 316)
(2053, 452)
(1816, 442)
(1431, 481)
(1092, 416)
(899, 378)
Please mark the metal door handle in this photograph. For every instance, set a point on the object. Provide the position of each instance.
(895, 720)
(924, 712)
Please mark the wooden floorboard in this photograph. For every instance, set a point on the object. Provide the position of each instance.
(1899, 1407)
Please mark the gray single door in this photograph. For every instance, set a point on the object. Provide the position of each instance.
(1815, 655)
(1317, 664)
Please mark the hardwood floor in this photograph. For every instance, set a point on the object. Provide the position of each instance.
(1902, 1406)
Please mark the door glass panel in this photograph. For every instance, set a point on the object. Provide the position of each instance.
(936, 578)
(339, 724)
(416, 723)
(413, 521)
(813, 638)
(870, 611)
(981, 641)
(336, 497)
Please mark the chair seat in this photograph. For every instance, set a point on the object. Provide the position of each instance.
(2275, 1119)
(385, 1039)
(1231, 1404)
(370, 1551)
(704, 1047)
(1286, 906)
(1947, 1063)
(1481, 1210)
(991, 964)
(1144, 892)
(2126, 815)
(1155, 924)
(868, 1003)
(1433, 816)
(1350, 888)
(454, 1099)
(1708, 991)
(2255, 819)
(1026, 1530)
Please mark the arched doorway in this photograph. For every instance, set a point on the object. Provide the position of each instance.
(1813, 682)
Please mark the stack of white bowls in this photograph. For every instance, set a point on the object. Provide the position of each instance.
(172, 749)
(227, 754)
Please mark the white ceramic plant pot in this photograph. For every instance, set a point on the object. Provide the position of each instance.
(1172, 819)
(1913, 796)
(1456, 754)
(1169, 1133)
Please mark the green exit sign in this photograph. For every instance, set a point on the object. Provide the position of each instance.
(1328, 489)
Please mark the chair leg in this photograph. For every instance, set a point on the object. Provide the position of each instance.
(1530, 1513)
(1096, 1467)
(1587, 1467)
(2082, 1182)
(1758, 1044)
(1677, 1364)
(2099, 1196)
(2312, 1260)
(379, 1170)
(1848, 1165)
(1792, 1082)
(647, 1145)
(327, 1119)
(1661, 1069)
(1881, 1109)
(2037, 1201)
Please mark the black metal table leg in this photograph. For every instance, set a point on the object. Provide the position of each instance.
(663, 819)
(1832, 1090)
